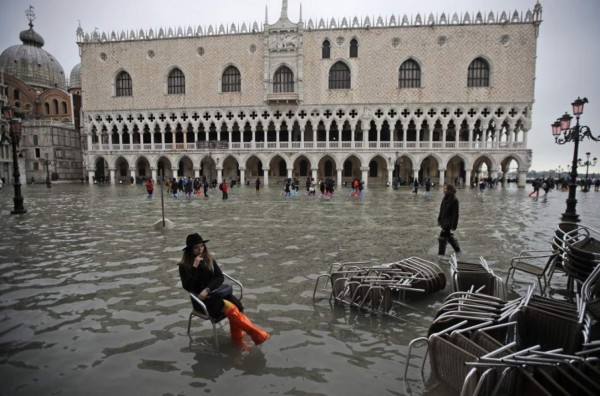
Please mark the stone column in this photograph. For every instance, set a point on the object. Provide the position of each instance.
(494, 173)
(154, 174)
(416, 174)
(132, 174)
(91, 175)
(339, 178)
(266, 176)
(112, 175)
(196, 172)
(522, 181)
(219, 175)
(442, 180)
(89, 143)
(390, 170)
(242, 175)
(314, 173)
(468, 177)
(365, 175)
(174, 173)
(289, 172)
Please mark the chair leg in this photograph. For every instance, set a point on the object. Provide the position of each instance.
(215, 335)
(189, 323)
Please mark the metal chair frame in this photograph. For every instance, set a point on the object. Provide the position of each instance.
(203, 312)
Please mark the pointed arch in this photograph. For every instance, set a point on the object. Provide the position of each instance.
(176, 82)
(123, 84)
(283, 80)
(478, 74)
(339, 76)
(231, 80)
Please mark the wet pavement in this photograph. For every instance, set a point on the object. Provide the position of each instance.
(91, 300)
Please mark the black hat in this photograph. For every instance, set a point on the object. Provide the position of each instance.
(192, 240)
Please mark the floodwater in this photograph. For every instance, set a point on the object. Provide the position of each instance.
(91, 301)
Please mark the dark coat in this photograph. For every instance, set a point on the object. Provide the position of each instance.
(448, 217)
(195, 280)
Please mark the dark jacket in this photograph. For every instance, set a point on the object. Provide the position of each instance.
(195, 280)
(448, 217)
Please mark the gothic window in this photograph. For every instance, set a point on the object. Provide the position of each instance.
(46, 108)
(124, 86)
(339, 76)
(232, 80)
(64, 107)
(326, 51)
(478, 74)
(283, 80)
(353, 48)
(176, 82)
(54, 106)
(409, 75)
(17, 95)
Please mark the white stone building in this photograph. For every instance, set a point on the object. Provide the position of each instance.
(438, 97)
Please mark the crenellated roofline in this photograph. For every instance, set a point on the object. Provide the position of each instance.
(443, 19)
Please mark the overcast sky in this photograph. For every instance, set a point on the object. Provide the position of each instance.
(567, 53)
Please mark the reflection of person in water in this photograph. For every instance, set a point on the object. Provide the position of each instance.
(211, 366)
(201, 276)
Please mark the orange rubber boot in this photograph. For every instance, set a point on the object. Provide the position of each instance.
(241, 322)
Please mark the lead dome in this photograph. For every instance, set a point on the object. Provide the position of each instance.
(32, 64)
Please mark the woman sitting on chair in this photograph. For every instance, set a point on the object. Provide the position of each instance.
(201, 276)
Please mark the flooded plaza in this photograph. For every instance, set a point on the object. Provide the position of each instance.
(91, 301)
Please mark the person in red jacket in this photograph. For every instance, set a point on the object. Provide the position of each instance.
(223, 188)
(149, 188)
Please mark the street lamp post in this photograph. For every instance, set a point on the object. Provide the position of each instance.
(47, 162)
(587, 163)
(14, 135)
(563, 133)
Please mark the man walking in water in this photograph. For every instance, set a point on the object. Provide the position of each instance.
(448, 220)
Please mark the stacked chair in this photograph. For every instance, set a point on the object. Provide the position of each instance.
(475, 273)
(481, 345)
(581, 252)
(379, 288)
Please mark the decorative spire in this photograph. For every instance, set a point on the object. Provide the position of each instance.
(300, 13)
(266, 15)
(30, 14)
(284, 10)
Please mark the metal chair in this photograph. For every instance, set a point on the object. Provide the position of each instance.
(203, 312)
(529, 262)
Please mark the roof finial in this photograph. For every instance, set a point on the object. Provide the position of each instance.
(284, 10)
(30, 14)
(266, 15)
(300, 13)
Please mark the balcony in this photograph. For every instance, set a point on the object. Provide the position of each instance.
(283, 97)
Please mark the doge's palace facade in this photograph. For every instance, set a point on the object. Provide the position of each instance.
(437, 97)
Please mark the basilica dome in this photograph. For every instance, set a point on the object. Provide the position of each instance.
(31, 64)
(75, 77)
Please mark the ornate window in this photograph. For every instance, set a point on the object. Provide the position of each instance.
(409, 75)
(231, 80)
(339, 76)
(124, 86)
(176, 82)
(326, 50)
(353, 48)
(478, 74)
(283, 80)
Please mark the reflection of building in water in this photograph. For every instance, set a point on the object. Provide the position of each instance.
(434, 96)
(33, 85)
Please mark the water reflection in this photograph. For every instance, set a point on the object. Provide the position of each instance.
(91, 300)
